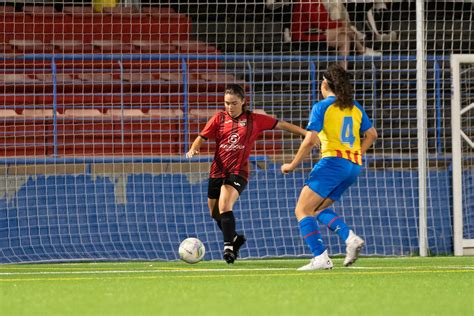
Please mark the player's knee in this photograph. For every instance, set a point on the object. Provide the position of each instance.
(301, 213)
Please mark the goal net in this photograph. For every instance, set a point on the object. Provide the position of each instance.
(100, 101)
(463, 153)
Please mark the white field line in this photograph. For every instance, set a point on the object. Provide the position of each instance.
(82, 263)
(141, 271)
(184, 270)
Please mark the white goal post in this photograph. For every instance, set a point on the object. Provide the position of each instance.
(462, 245)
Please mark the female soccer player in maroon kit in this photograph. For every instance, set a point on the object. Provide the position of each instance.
(235, 131)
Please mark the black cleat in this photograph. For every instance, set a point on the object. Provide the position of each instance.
(239, 240)
(229, 256)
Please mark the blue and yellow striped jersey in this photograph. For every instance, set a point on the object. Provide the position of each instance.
(339, 130)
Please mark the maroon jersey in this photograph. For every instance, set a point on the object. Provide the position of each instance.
(235, 138)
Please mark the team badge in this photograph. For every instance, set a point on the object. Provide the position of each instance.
(243, 122)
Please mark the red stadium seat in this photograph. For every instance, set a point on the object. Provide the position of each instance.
(18, 83)
(82, 113)
(30, 47)
(60, 78)
(100, 82)
(139, 77)
(166, 113)
(171, 76)
(142, 82)
(7, 9)
(112, 46)
(97, 127)
(84, 136)
(8, 114)
(71, 46)
(37, 113)
(203, 113)
(20, 136)
(148, 47)
(189, 46)
(65, 83)
(6, 49)
(220, 77)
(128, 113)
(172, 82)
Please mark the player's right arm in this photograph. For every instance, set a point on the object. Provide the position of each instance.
(208, 131)
(310, 141)
(194, 150)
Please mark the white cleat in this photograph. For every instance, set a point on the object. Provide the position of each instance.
(321, 262)
(353, 246)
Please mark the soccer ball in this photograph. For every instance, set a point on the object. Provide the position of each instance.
(191, 250)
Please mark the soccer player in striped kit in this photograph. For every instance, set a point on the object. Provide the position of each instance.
(336, 123)
(235, 130)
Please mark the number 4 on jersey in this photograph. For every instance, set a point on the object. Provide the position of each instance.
(347, 135)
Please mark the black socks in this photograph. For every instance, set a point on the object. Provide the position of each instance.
(217, 217)
(228, 227)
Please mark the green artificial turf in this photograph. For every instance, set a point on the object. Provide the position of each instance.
(374, 286)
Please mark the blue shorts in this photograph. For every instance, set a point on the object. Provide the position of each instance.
(332, 176)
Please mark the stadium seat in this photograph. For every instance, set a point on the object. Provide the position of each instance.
(65, 83)
(171, 76)
(94, 84)
(30, 47)
(220, 77)
(5, 48)
(110, 137)
(8, 114)
(141, 82)
(100, 82)
(112, 46)
(18, 83)
(129, 113)
(82, 113)
(60, 78)
(205, 113)
(20, 136)
(7, 9)
(138, 77)
(38, 113)
(71, 46)
(148, 47)
(172, 81)
(166, 113)
(194, 47)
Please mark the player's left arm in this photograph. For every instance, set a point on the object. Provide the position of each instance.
(367, 129)
(370, 136)
(294, 129)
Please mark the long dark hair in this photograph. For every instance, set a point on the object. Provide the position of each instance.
(339, 82)
(238, 91)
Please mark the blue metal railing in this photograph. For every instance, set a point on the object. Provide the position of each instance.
(248, 60)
